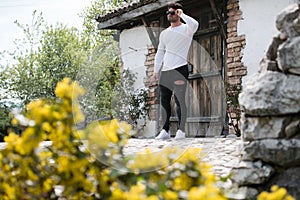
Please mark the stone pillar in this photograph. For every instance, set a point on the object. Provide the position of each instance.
(270, 122)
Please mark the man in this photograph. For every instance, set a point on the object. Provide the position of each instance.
(171, 62)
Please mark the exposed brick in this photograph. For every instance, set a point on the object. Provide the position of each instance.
(229, 6)
(237, 72)
(149, 63)
(234, 44)
(237, 59)
(229, 60)
(232, 34)
(236, 39)
(231, 13)
(152, 94)
(233, 54)
(236, 5)
(153, 89)
(150, 57)
(234, 81)
(238, 49)
(230, 50)
(231, 29)
(231, 24)
(235, 65)
(237, 17)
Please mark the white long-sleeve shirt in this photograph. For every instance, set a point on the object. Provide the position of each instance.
(174, 44)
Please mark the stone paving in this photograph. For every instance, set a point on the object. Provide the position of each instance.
(221, 153)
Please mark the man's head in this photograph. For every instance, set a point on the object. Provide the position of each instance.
(171, 12)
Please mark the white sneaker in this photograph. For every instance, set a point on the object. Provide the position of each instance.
(180, 135)
(163, 135)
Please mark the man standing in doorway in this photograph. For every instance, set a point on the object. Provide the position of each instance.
(171, 62)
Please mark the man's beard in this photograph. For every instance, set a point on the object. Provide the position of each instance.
(173, 19)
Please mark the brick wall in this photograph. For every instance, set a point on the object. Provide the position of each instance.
(149, 83)
(235, 44)
(235, 67)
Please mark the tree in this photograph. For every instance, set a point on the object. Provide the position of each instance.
(48, 53)
(45, 56)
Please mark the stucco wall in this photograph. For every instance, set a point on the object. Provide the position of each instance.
(134, 48)
(134, 45)
(258, 26)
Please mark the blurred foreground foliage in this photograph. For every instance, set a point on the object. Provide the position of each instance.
(51, 159)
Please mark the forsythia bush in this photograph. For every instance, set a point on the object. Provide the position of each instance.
(53, 160)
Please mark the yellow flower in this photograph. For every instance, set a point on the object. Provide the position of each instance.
(148, 160)
(136, 192)
(10, 191)
(47, 185)
(66, 89)
(14, 122)
(183, 182)
(62, 88)
(275, 194)
(46, 127)
(117, 194)
(190, 155)
(110, 131)
(170, 195)
(11, 140)
(63, 163)
(205, 192)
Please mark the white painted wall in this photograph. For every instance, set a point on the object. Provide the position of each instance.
(258, 25)
(134, 48)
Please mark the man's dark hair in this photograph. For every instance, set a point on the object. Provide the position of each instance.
(175, 5)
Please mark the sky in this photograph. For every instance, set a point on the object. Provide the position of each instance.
(64, 11)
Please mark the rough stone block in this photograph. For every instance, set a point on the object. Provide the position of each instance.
(268, 65)
(249, 173)
(255, 128)
(289, 56)
(284, 21)
(271, 94)
(280, 152)
(292, 129)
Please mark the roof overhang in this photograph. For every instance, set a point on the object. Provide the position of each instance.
(130, 17)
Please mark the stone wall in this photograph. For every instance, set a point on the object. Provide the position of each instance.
(270, 124)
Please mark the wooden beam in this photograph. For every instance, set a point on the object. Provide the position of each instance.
(150, 33)
(218, 18)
